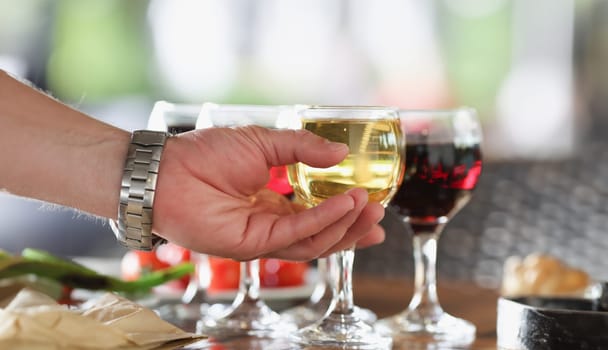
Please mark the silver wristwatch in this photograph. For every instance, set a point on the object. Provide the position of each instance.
(134, 225)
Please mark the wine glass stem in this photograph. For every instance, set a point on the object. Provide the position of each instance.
(322, 289)
(344, 283)
(196, 291)
(425, 301)
(249, 284)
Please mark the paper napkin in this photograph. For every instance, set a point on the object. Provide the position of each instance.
(32, 320)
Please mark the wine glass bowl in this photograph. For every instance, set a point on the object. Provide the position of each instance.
(443, 164)
(372, 135)
(374, 163)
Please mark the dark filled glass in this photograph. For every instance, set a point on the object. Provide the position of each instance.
(439, 180)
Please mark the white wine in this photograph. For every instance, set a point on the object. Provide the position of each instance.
(373, 163)
(292, 176)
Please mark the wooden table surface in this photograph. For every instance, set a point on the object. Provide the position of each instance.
(387, 297)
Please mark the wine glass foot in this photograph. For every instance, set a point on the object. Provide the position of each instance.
(185, 316)
(365, 315)
(255, 319)
(303, 315)
(412, 331)
(344, 331)
(307, 314)
(180, 311)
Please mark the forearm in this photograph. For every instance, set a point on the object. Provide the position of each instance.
(54, 153)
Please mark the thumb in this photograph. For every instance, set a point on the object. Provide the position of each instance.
(292, 146)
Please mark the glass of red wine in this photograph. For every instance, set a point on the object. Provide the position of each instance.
(248, 314)
(443, 164)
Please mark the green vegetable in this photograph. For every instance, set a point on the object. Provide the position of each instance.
(72, 274)
(4, 255)
(32, 254)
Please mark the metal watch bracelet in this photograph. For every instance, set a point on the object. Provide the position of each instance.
(133, 228)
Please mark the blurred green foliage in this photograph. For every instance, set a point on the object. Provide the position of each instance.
(477, 52)
(100, 50)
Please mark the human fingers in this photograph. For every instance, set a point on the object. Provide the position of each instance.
(268, 232)
(371, 214)
(375, 236)
(281, 147)
(311, 247)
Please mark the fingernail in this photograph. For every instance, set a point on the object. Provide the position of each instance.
(356, 189)
(360, 199)
(337, 146)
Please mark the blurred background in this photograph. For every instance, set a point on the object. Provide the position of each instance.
(534, 70)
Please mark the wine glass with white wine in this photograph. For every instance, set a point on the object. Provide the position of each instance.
(374, 163)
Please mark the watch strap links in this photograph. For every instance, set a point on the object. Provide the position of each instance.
(133, 228)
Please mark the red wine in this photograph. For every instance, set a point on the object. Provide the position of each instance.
(438, 181)
(279, 181)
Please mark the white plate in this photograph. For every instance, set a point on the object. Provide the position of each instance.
(279, 293)
(268, 293)
(106, 266)
(111, 267)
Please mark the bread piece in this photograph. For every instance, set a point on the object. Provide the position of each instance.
(542, 274)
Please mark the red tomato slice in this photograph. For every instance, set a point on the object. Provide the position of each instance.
(224, 274)
(280, 273)
(135, 263)
(172, 254)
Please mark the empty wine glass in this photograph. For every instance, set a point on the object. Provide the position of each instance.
(443, 164)
(173, 117)
(185, 312)
(248, 314)
(317, 304)
(373, 163)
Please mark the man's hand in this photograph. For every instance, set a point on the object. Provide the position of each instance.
(210, 197)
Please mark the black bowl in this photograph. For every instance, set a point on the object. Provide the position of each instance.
(537, 323)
